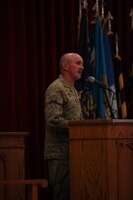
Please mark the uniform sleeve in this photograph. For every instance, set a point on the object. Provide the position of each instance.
(54, 110)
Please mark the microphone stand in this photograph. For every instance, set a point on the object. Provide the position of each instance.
(105, 88)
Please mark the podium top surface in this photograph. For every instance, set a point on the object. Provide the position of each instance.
(101, 129)
(100, 122)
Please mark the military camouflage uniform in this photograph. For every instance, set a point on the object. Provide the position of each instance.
(61, 104)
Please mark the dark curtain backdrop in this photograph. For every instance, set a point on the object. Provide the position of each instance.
(33, 36)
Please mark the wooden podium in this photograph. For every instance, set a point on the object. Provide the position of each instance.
(12, 164)
(101, 159)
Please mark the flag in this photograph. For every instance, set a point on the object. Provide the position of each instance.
(83, 50)
(130, 100)
(100, 95)
(82, 47)
(110, 73)
(120, 90)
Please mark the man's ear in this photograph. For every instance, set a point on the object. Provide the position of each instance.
(65, 67)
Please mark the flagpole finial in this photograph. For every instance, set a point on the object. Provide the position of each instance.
(96, 8)
(131, 15)
(102, 9)
(80, 10)
(85, 4)
(116, 47)
(109, 18)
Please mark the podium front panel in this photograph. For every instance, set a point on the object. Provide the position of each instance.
(101, 160)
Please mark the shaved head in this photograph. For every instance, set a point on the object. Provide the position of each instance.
(67, 58)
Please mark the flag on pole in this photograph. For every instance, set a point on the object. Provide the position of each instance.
(100, 95)
(83, 49)
(110, 73)
(82, 46)
(130, 101)
(120, 90)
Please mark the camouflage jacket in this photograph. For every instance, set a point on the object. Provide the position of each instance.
(61, 105)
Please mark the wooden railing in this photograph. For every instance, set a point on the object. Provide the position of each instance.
(33, 184)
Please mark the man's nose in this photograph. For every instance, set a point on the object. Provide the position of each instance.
(82, 67)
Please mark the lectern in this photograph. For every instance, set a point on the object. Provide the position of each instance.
(101, 159)
(12, 164)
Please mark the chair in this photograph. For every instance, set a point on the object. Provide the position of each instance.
(32, 183)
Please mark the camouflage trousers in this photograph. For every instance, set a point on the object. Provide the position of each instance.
(59, 179)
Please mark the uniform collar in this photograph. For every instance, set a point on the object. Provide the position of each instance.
(65, 83)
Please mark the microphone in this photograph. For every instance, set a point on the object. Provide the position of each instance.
(91, 79)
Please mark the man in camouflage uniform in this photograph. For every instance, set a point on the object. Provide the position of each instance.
(61, 105)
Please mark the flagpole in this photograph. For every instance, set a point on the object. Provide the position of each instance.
(131, 69)
(79, 17)
(97, 7)
(131, 15)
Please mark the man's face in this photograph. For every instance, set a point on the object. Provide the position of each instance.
(75, 67)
